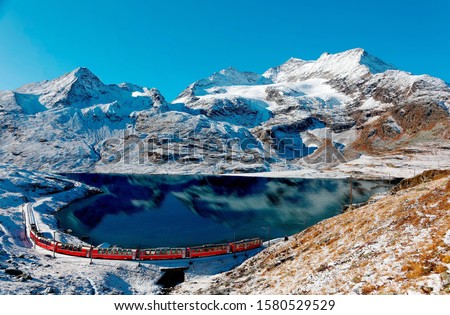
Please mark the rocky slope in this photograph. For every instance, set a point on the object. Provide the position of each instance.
(317, 115)
(398, 244)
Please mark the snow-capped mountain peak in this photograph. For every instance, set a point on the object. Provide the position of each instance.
(354, 58)
(225, 77)
(83, 89)
(77, 86)
(231, 76)
(84, 74)
(287, 67)
(351, 64)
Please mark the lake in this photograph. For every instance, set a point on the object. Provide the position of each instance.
(167, 210)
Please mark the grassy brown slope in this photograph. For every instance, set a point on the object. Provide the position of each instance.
(395, 245)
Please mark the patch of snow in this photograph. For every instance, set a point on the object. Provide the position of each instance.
(447, 238)
(371, 104)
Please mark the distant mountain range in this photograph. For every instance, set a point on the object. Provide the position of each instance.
(301, 114)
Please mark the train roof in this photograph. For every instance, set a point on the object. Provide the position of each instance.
(209, 245)
(249, 240)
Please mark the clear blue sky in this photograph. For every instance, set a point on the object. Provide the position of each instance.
(169, 44)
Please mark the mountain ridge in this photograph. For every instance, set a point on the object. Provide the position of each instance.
(363, 104)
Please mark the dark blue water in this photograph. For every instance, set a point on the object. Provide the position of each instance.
(157, 210)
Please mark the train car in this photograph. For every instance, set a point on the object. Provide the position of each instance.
(115, 253)
(40, 240)
(73, 250)
(118, 253)
(45, 243)
(244, 245)
(33, 233)
(162, 253)
(209, 250)
(33, 228)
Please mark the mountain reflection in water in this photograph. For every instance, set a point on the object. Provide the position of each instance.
(157, 210)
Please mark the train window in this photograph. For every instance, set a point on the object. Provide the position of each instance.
(157, 252)
(163, 251)
(109, 251)
(152, 252)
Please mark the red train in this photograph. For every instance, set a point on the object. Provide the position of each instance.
(117, 253)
